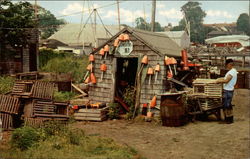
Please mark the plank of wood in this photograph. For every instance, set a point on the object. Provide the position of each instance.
(78, 89)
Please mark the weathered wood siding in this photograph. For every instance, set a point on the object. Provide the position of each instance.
(104, 91)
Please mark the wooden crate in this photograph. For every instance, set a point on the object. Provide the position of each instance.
(50, 109)
(9, 104)
(207, 88)
(210, 103)
(22, 88)
(7, 121)
(43, 90)
(91, 114)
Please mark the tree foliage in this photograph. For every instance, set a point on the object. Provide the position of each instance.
(195, 16)
(243, 23)
(143, 25)
(15, 19)
(47, 22)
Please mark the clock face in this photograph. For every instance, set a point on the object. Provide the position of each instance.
(125, 48)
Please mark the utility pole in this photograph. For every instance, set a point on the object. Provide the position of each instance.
(153, 16)
(95, 27)
(118, 10)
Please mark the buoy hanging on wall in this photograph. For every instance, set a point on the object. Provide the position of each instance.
(150, 73)
(157, 70)
(103, 68)
(92, 78)
(106, 50)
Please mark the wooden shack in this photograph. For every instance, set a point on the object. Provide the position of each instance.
(124, 62)
(21, 58)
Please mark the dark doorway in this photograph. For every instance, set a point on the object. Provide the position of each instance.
(125, 80)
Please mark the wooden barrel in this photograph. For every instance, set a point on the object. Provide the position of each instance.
(247, 80)
(172, 110)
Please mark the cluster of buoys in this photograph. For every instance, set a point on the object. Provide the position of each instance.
(89, 76)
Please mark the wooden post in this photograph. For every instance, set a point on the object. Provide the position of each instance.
(153, 16)
(114, 69)
(243, 61)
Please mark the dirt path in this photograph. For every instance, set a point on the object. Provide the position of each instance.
(199, 140)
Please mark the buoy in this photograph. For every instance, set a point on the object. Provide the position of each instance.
(150, 73)
(167, 62)
(91, 58)
(126, 37)
(144, 60)
(116, 42)
(170, 74)
(173, 62)
(184, 59)
(153, 102)
(101, 52)
(92, 78)
(106, 50)
(87, 80)
(121, 37)
(103, 68)
(157, 70)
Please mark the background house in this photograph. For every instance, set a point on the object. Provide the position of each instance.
(74, 36)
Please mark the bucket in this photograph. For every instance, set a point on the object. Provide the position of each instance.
(172, 110)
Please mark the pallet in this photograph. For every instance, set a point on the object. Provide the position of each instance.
(9, 104)
(7, 121)
(43, 90)
(92, 114)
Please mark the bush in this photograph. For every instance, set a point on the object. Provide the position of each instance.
(24, 137)
(63, 96)
(113, 111)
(6, 84)
(76, 66)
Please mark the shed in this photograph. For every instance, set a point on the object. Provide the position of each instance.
(123, 66)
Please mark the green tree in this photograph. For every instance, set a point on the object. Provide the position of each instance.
(243, 23)
(47, 22)
(143, 25)
(15, 22)
(195, 16)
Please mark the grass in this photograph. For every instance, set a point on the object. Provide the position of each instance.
(6, 84)
(64, 142)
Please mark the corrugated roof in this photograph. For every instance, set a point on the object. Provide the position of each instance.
(69, 33)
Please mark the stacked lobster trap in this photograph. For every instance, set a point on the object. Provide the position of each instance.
(206, 96)
(31, 101)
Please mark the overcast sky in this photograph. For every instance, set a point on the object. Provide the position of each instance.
(166, 11)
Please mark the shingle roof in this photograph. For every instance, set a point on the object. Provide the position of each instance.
(160, 43)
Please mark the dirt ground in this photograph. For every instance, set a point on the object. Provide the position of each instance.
(196, 140)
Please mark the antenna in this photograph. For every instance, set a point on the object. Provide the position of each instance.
(153, 16)
(118, 10)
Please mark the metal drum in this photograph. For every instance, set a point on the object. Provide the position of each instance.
(172, 109)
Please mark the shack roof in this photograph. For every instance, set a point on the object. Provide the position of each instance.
(160, 43)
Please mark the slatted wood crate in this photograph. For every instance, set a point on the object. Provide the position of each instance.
(7, 121)
(207, 88)
(210, 103)
(22, 88)
(9, 104)
(35, 122)
(43, 90)
(91, 114)
(48, 108)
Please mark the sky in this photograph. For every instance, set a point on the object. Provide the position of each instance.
(166, 11)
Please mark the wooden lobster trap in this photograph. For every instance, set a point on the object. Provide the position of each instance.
(207, 88)
(9, 104)
(22, 88)
(7, 120)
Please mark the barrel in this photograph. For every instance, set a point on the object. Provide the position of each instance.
(247, 80)
(172, 110)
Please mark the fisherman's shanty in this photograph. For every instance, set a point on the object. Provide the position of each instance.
(124, 55)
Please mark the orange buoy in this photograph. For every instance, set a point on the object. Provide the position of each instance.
(157, 68)
(144, 59)
(121, 37)
(153, 102)
(91, 58)
(101, 52)
(184, 57)
(167, 60)
(103, 67)
(92, 78)
(116, 42)
(149, 114)
(87, 80)
(89, 67)
(126, 37)
(170, 74)
(150, 71)
(106, 48)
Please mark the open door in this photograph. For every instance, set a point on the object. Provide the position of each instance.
(125, 78)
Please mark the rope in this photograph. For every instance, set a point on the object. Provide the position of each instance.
(103, 24)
